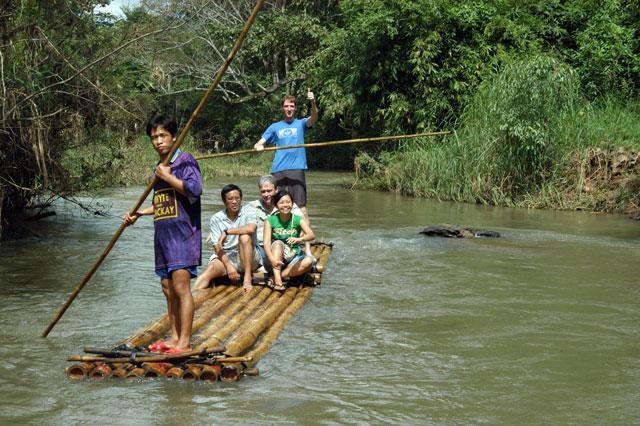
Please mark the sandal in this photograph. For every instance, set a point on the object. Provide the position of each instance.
(279, 287)
(173, 351)
(159, 346)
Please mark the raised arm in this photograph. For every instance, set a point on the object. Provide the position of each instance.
(314, 108)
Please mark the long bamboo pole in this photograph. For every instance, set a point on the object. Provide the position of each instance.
(322, 144)
(176, 145)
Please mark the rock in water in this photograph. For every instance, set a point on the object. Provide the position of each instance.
(452, 231)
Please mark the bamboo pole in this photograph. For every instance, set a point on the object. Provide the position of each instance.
(322, 144)
(271, 334)
(223, 316)
(160, 327)
(324, 258)
(204, 314)
(80, 371)
(176, 145)
(250, 333)
(192, 372)
(119, 373)
(236, 320)
(174, 373)
(102, 371)
(154, 358)
(173, 358)
(210, 373)
(156, 369)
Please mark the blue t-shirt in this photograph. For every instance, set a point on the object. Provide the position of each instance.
(284, 134)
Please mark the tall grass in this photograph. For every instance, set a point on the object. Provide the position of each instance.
(520, 142)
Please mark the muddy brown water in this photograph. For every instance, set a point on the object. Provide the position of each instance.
(540, 326)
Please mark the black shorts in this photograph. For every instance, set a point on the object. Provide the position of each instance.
(294, 182)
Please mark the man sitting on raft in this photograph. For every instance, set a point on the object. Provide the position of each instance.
(234, 231)
(283, 233)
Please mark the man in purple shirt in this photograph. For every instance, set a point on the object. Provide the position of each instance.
(177, 237)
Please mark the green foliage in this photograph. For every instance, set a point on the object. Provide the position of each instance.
(528, 138)
(526, 103)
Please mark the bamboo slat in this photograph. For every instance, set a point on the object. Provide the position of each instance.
(219, 332)
(240, 300)
(80, 371)
(210, 373)
(175, 373)
(161, 326)
(252, 330)
(271, 334)
(207, 312)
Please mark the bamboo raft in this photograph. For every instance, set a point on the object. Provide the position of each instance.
(232, 331)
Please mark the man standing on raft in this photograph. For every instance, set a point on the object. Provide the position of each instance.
(289, 164)
(177, 236)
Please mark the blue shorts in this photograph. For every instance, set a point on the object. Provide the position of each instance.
(267, 264)
(165, 273)
(295, 259)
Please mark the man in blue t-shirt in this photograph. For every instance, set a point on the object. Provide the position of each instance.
(289, 164)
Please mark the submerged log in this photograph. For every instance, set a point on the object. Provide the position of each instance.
(452, 231)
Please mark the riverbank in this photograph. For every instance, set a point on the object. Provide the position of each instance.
(528, 139)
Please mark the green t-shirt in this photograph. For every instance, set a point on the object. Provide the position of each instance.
(282, 231)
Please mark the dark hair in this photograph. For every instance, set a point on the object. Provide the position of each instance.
(166, 122)
(228, 188)
(279, 195)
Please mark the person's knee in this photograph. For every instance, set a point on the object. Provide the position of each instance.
(306, 263)
(246, 240)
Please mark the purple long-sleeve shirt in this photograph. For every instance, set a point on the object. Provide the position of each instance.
(176, 218)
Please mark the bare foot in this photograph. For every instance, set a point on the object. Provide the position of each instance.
(247, 286)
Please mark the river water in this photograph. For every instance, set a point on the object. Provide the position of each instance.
(541, 326)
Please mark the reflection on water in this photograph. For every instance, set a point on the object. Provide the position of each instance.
(539, 326)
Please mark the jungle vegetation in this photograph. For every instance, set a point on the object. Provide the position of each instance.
(542, 97)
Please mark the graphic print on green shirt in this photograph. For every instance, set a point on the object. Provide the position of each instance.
(281, 231)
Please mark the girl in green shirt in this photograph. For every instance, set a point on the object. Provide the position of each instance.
(282, 239)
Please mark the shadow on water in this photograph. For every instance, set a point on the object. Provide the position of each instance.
(538, 326)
